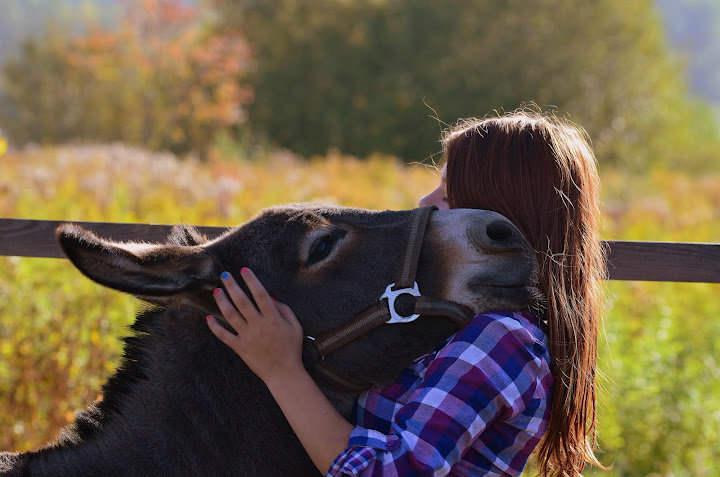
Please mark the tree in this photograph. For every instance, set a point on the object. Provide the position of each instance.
(162, 79)
(367, 76)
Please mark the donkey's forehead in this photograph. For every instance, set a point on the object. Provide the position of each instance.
(287, 221)
(318, 215)
(288, 218)
(283, 225)
(278, 233)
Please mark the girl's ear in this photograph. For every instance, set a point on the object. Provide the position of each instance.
(154, 272)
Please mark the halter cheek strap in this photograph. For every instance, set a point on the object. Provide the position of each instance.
(385, 310)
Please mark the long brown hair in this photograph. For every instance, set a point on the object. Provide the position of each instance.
(539, 171)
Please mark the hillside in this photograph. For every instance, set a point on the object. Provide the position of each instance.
(693, 29)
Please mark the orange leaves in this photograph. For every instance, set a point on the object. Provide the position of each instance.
(163, 78)
(154, 13)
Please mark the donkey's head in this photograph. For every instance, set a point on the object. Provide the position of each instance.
(329, 264)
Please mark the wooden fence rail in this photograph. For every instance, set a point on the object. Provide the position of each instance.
(653, 261)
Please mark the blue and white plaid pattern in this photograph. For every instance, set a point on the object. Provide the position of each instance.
(477, 406)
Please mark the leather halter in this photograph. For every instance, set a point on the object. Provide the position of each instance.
(385, 311)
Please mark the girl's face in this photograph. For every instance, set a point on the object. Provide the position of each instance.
(438, 197)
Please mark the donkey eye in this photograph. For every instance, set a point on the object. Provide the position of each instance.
(322, 247)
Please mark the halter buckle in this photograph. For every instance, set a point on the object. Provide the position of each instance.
(391, 295)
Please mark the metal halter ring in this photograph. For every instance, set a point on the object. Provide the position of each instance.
(391, 295)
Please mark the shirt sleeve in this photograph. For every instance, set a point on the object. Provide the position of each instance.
(484, 373)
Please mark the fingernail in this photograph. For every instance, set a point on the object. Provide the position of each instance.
(207, 318)
(244, 270)
(216, 291)
(224, 275)
(274, 299)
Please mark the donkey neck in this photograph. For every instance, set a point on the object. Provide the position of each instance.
(180, 403)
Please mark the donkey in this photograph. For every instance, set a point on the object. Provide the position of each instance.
(182, 403)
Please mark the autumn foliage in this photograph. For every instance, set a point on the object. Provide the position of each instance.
(161, 78)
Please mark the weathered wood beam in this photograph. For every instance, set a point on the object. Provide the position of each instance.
(627, 260)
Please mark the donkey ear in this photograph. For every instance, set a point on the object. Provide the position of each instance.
(186, 235)
(146, 270)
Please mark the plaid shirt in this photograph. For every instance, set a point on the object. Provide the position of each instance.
(476, 406)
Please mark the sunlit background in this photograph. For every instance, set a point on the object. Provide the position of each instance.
(205, 112)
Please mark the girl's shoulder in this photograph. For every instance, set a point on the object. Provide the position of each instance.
(498, 332)
(501, 322)
(499, 353)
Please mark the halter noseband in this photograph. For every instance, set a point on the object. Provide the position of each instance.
(385, 312)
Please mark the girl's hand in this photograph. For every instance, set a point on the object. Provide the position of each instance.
(269, 340)
(269, 337)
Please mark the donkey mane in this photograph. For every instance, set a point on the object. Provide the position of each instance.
(129, 371)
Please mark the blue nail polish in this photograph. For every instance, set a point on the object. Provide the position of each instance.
(224, 275)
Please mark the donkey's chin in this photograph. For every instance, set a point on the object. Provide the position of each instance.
(503, 297)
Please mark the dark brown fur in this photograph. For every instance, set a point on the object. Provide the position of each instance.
(182, 403)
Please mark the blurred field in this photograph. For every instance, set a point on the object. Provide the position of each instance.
(660, 354)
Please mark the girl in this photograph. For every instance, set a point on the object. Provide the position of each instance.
(507, 382)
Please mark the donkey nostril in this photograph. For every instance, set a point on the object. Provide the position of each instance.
(500, 231)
